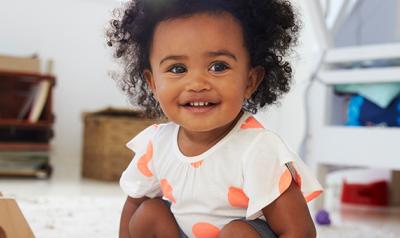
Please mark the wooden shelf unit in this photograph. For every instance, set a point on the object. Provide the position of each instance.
(25, 123)
(18, 134)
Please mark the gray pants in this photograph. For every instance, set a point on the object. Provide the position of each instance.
(259, 225)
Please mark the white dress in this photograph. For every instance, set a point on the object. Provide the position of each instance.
(236, 178)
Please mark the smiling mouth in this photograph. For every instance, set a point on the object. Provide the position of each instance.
(199, 106)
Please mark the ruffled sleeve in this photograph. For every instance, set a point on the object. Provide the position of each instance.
(269, 167)
(138, 179)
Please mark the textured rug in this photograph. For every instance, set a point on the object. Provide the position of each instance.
(361, 221)
(90, 216)
(66, 217)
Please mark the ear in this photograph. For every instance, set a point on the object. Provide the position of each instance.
(148, 75)
(256, 75)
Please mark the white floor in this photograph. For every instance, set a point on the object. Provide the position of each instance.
(67, 206)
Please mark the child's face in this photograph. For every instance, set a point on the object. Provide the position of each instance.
(200, 70)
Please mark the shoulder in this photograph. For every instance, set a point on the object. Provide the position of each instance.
(151, 134)
(262, 142)
(164, 130)
(267, 141)
(257, 133)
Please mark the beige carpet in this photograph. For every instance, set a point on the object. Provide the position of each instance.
(94, 216)
(67, 217)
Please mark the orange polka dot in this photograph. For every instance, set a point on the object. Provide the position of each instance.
(237, 198)
(205, 230)
(167, 190)
(298, 180)
(142, 163)
(312, 195)
(284, 181)
(295, 174)
(251, 122)
(197, 164)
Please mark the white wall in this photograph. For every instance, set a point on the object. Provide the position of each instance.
(372, 22)
(72, 33)
(288, 119)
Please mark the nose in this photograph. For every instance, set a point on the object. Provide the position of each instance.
(198, 83)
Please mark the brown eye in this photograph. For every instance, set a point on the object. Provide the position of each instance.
(219, 67)
(177, 69)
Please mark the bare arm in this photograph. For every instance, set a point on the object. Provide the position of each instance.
(131, 204)
(288, 215)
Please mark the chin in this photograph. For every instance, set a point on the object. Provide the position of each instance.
(202, 126)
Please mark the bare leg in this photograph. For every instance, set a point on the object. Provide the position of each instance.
(153, 219)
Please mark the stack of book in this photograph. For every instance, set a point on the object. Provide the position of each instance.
(26, 119)
(24, 163)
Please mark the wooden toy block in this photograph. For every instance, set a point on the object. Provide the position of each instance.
(12, 221)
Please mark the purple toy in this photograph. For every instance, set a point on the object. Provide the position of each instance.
(322, 217)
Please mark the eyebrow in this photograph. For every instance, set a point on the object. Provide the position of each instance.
(226, 53)
(173, 57)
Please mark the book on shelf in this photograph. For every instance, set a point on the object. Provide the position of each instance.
(23, 112)
(35, 172)
(39, 100)
(23, 154)
(22, 161)
(29, 64)
(25, 133)
(24, 146)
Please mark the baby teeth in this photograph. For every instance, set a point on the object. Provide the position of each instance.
(198, 104)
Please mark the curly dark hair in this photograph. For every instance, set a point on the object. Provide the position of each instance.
(270, 28)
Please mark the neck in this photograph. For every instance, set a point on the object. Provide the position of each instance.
(192, 143)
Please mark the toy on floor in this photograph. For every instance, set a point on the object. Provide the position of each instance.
(371, 194)
(12, 221)
(322, 217)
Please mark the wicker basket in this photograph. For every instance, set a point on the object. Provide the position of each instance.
(106, 132)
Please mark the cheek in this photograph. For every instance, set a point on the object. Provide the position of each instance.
(235, 96)
(160, 87)
(237, 88)
(166, 93)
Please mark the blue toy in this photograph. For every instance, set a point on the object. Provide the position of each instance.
(362, 112)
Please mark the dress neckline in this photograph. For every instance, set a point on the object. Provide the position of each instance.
(205, 154)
